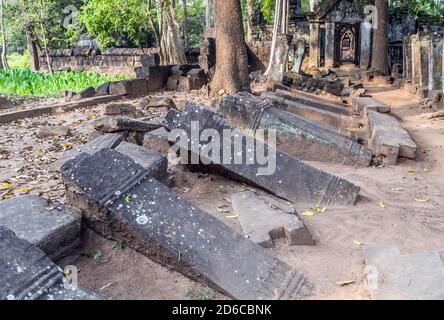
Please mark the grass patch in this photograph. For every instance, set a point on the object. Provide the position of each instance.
(25, 82)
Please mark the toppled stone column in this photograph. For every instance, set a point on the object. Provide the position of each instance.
(305, 183)
(118, 197)
(299, 55)
(297, 136)
(323, 117)
(28, 274)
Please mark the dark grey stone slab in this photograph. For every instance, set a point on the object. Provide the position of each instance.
(114, 124)
(54, 229)
(392, 276)
(28, 274)
(297, 136)
(262, 222)
(152, 161)
(155, 221)
(120, 88)
(103, 90)
(110, 140)
(292, 179)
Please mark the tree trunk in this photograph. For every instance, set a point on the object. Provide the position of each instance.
(208, 13)
(186, 41)
(250, 12)
(380, 38)
(2, 27)
(33, 47)
(231, 52)
(45, 38)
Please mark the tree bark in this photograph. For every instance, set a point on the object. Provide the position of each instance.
(3, 34)
(208, 13)
(380, 38)
(250, 12)
(45, 38)
(33, 47)
(232, 73)
(186, 41)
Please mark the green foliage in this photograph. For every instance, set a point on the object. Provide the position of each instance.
(19, 61)
(115, 22)
(24, 82)
(196, 18)
(267, 9)
(433, 9)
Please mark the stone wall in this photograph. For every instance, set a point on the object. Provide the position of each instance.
(424, 65)
(112, 61)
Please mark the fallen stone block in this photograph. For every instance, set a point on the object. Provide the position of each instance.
(157, 140)
(183, 69)
(157, 76)
(388, 139)
(122, 88)
(392, 276)
(54, 229)
(173, 82)
(110, 140)
(139, 87)
(117, 197)
(47, 132)
(161, 103)
(110, 124)
(189, 83)
(115, 109)
(150, 60)
(28, 274)
(365, 104)
(297, 136)
(263, 224)
(84, 94)
(151, 161)
(311, 113)
(358, 93)
(103, 90)
(304, 184)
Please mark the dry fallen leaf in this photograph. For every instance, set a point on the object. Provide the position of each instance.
(308, 214)
(23, 189)
(358, 243)
(382, 205)
(5, 186)
(232, 217)
(421, 200)
(345, 283)
(410, 169)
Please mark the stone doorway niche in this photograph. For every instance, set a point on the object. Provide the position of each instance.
(347, 44)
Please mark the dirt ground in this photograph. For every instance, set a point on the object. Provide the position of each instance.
(412, 194)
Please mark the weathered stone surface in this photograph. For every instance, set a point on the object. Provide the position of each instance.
(173, 82)
(114, 124)
(46, 132)
(157, 140)
(311, 113)
(120, 88)
(160, 224)
(183, 69)
(157, 76)
(27, 274)
(392, 276)
(150, 60)
(109, 140)
(365, 104)
(314, 101)
(304, 184)
(103, 90)
(54, 229)
(297, 136)
(87, 93)
(139, 87)
(262, 223)
(388, 139)
(114, 109)
(192, 81)
(151, 161)
(162, 102)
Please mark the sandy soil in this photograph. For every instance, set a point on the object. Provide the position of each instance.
(341, 232)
